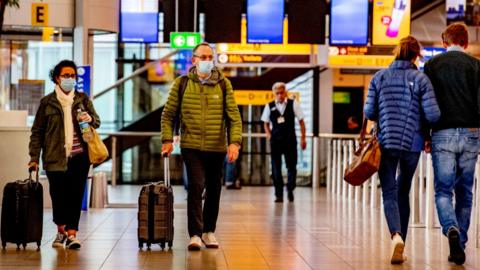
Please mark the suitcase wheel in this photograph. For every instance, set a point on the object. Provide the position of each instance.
(170, 244)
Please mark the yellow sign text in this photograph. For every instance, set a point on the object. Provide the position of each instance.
(259, 97)
(39, 14)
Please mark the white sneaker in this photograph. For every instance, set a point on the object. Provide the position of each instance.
(397, 250)
(210, 240)
(59, 240)
(195, 243)
(72, 243)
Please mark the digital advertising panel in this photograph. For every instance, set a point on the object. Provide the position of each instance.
(265, 21)
(455, 10)
(349, 22)
(139, 21)
(391, 21)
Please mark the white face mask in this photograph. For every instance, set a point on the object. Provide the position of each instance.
(67, 85)
(205, 66)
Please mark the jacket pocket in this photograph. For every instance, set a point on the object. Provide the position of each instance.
(53, 117)
(49, 111)
(49, 151)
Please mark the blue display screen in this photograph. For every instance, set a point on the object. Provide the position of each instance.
(139, 27)
(349, 22)
(265, 21)
(427, 53)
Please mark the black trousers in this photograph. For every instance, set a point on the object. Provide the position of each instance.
(67, 189)
(287, 148)
(204, 170)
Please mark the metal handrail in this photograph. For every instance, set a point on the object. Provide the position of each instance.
(130, 133)
(157, 133)
(116, 134)
(135, 73)
(338, 136)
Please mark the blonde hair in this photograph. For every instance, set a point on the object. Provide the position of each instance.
(408, 49)
(456, 34)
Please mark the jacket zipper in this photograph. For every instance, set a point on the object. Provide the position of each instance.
(202, 100)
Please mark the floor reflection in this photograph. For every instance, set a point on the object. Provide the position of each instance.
(317, 231)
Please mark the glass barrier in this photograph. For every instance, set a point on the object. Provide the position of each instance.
(143, 163)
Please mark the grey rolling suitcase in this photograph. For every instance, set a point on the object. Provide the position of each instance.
(155, 212)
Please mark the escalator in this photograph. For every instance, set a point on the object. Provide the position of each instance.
(138, 158)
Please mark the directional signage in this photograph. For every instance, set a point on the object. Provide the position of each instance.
(184, 40)
(39, 14)
(259, 97)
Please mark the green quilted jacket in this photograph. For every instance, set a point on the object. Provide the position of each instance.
(202, 123)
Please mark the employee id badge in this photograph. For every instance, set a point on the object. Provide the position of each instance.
(280, 120)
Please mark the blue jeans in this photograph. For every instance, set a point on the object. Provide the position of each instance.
(396, 189)
(454, 154)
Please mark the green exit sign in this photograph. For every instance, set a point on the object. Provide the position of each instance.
(184, 40)
(341, 97)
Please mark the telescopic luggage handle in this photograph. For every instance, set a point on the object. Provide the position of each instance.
(166, 169)
(30, 175)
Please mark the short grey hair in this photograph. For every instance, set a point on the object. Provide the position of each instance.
(202, 44)
(279, 85)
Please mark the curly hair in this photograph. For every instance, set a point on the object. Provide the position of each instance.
(55, 72)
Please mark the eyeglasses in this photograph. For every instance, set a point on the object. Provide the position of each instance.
(66, 76)
(204, 57)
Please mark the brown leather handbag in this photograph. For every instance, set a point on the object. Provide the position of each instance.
(366, 160)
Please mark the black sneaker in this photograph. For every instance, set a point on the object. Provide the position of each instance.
(457, 255)
(290, 196)
(278, 199)
(72, 243)
(59, 240)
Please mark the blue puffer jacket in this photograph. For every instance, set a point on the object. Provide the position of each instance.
(401, 98)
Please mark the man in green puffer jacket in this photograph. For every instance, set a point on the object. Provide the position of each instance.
(207, 125)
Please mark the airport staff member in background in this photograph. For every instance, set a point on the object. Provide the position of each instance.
(279, 122)
(205, 120)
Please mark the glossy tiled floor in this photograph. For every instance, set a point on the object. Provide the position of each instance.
(315, 232)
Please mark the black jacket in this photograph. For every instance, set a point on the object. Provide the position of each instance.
(455, 77)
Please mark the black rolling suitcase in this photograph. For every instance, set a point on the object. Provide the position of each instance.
(155, 212)
(22, 212)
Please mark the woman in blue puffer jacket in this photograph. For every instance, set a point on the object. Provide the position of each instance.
(401, 100)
